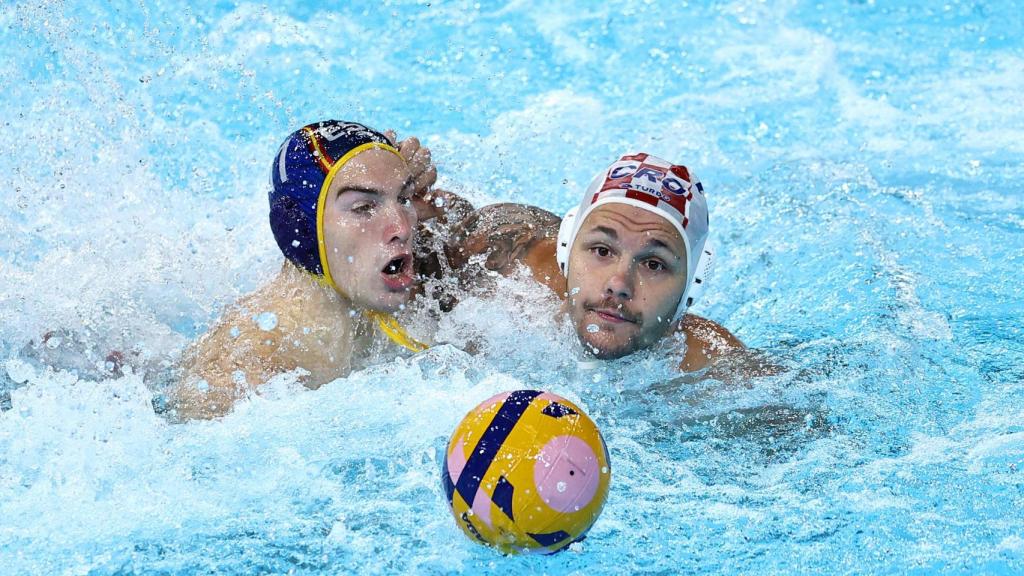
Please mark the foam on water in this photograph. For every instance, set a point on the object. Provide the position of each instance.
(862, 163)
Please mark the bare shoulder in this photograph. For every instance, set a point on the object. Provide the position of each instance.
(228, 361)
(249, 332)
(269, 332)
(706, 341)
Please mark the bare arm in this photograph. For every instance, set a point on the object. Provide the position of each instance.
(436, 211)
(706, 342)
(508, 236)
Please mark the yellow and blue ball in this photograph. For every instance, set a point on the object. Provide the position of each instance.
(526, 472)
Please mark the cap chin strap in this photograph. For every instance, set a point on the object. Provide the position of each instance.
(705, 262)
(393, 330)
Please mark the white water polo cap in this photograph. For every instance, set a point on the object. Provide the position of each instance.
(653, 184)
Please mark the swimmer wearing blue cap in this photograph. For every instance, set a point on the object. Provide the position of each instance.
(628, 261)
(344, 207)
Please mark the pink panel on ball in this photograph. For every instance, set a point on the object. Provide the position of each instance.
(566, 473)
(550, 397)
(497, 398)
(457, 460)
(482, 507)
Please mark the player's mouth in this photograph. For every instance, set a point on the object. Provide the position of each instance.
(397, 273)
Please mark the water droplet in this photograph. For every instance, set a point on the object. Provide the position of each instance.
(202, 385)
(574, 291)
(296, 243)
(235, 331)
(592, 328)
(19, 371)
(560, 486)
(350, 259)
(267, 321)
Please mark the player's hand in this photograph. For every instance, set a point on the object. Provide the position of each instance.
(420, 164)
(424, 174)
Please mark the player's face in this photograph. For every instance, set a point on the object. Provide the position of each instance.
(627, 272)
(369, 223)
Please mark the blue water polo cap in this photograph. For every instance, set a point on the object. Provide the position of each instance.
(301, 175)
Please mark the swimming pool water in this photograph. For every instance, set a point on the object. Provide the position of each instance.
(862, 161)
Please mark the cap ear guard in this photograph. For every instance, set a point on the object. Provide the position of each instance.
(702, 273)
(564, 240)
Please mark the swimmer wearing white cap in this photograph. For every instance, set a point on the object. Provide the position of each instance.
(628, 261)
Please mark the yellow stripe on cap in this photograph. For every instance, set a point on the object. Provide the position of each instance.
(390, 327)
(321, 201)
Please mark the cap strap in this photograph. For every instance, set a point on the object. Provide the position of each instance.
(393, 330)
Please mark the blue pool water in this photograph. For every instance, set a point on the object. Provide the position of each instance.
(863, 163)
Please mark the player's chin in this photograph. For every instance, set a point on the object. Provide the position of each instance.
(608, 345)
(382, 298)
(392, 301)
